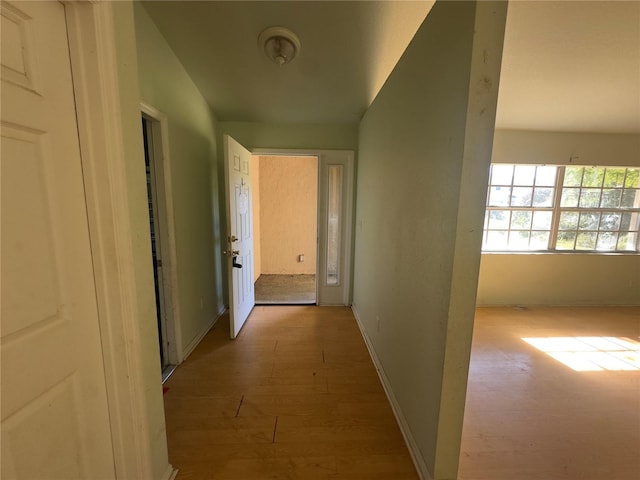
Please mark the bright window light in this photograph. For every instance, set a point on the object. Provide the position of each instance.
(590, 354)
(562, 208)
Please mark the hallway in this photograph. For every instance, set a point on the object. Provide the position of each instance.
(295, 396)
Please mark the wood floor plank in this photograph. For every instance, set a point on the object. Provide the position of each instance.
(295, 396)
(530, 417)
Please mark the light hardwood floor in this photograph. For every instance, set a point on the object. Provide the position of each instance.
(529, 417)
(295, 396)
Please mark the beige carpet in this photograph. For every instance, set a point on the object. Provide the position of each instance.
(286, 289)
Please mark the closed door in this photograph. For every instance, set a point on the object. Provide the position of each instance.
(54, 413)
(240, 236)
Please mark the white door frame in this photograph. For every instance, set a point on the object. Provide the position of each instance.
(159, 150)
(104, 88)
(340, 295)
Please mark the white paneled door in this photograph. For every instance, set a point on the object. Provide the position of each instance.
(239, 229)
(55, 421)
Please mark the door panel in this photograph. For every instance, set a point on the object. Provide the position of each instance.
(54, 407)
(240, 239)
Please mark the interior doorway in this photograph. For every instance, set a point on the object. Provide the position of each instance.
(285, 226)
(161, 245)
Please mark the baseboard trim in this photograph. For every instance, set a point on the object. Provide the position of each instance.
(170, 474)
(421, 467)
(194, 343)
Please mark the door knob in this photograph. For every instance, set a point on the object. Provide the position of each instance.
(232, 253)
(233, 238)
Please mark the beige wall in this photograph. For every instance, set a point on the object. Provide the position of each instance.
(559, 279)
(425, 148)
(255, 198)
(165, 85)
(288, 214)
(564, 148)
(562, 279)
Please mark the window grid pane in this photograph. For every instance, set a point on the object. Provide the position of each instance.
(519, 207)
(598, 208)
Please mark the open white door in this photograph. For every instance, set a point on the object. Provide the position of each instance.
(240, 237)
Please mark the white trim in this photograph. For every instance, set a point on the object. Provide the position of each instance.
(170, 474)
(341, 294)
(188, 350)
(349, 239)
(416, 456)
(168, 235)
(97, 74)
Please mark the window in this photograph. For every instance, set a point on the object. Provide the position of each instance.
(557, 208)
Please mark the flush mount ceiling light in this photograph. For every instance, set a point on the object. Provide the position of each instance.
(279, 44)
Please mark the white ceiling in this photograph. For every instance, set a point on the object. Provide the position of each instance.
(571, 66)
(348, 50)
(567, 66)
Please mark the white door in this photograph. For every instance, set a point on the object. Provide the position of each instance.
(54, 417)
(240, 239)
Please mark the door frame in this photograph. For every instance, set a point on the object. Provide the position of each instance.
(161, 167)
(104, 73)
(343, 294)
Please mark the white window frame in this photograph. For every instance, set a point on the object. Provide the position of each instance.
(557, 210)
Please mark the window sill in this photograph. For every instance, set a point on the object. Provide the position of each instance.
(557, 252)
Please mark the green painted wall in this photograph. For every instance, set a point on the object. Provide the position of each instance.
(303, 136)
(424, 147)
(166, 86)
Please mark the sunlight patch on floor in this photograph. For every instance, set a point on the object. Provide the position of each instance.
(589, 354)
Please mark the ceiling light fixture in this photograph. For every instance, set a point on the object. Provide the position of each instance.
(279, 44)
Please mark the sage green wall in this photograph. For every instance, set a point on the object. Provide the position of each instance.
(302, 136)
(421, 146)
(166, 86)
(562, 279)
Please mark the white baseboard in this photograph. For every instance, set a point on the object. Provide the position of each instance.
(170, 474)
(194, 343)
(416, 456)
